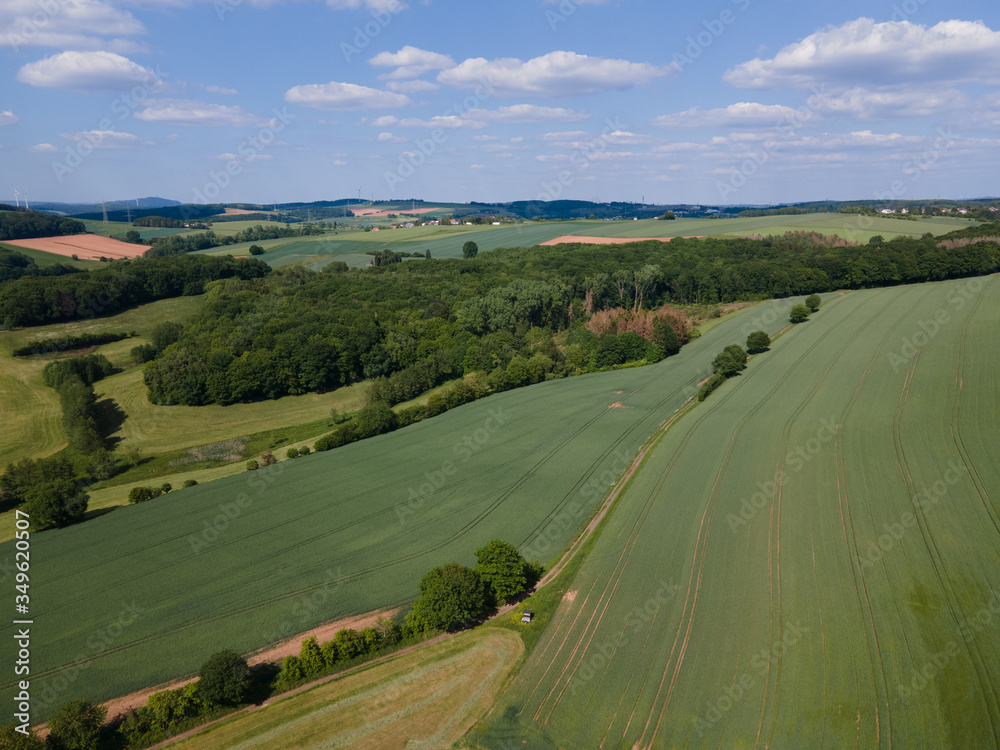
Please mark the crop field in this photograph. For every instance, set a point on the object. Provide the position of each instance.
(446, 241)
(84, 246)
(247, 560)
(425, 699)
(30, 411)
(808, 559)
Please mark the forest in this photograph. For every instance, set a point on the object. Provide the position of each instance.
(514, 315)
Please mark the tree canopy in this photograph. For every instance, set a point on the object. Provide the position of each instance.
(224, 679)
(799, 314)
(502, 568)
(451, 596)
(758, 341)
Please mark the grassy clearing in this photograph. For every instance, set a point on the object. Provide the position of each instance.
(804, 560)
(29, 411)
(235, 562)
(426, 699)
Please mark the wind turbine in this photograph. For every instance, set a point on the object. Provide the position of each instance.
(17, 198)
(26, 207)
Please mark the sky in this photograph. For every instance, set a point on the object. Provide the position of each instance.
(718, 102)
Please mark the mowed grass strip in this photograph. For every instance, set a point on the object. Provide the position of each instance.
(426, 699)
(805, 559)
(248, 560)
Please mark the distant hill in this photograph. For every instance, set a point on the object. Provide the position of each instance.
(74, 209)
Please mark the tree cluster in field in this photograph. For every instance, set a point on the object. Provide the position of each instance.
(347, 647)
(15, 264)
(800, 313)
(69, 343)
(163, 222)
(39, 300)
(49, 489)
(22, 225)
(178, 244)
(46, 489)
(145, 494)
(731, 361)
(454, 596)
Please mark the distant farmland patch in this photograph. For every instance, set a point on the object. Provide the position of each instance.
(83, 246)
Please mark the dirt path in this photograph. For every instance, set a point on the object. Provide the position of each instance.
(291, 647)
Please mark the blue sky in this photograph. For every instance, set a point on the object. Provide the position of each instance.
(731, 101)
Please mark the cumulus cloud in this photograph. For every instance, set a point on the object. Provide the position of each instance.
(445, 122)
(8, 118)
(390, 138)
(412, 87)
(192, 112)
(336, 95)
(88, 72)
(380, 6)
(73, 25)
(524, 113)
(893, 102)
(875, 54)
(556, 74)
(221, 90)
(411, 62)
(252, 156)
(742, 114)
(107, 139)
(43, 148)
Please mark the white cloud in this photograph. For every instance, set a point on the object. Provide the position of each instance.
(893, 102)
(412, 87)
(69, 24)
(485, 138)
(221, 90)
(380, 6)
(524, 113)
(193, 112)
(252, 156)
(87, 71)
(43, 148)
(336, 95)
(411, 62)
(8, 118)
(877, 54)
(107, 139)
(390, 138)
(556, 74)
(742, 114)
(445, 122)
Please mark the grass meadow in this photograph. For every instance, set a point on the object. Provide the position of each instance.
(426, 699)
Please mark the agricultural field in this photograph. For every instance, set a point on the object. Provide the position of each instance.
(43, 259)
(808, 559)
(425, 699)
(84, 246)
(248, 560)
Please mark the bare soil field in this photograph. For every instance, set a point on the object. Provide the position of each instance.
(83, 246)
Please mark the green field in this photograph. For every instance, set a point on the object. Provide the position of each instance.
(809, 559)
(426, 699)
(230, 563)
(447, 241)
(29, 411)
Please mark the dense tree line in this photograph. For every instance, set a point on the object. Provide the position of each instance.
(33, 301)
(21, 225)
(15, 264)
(163, 222)
(68, 343)
(178, 244)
